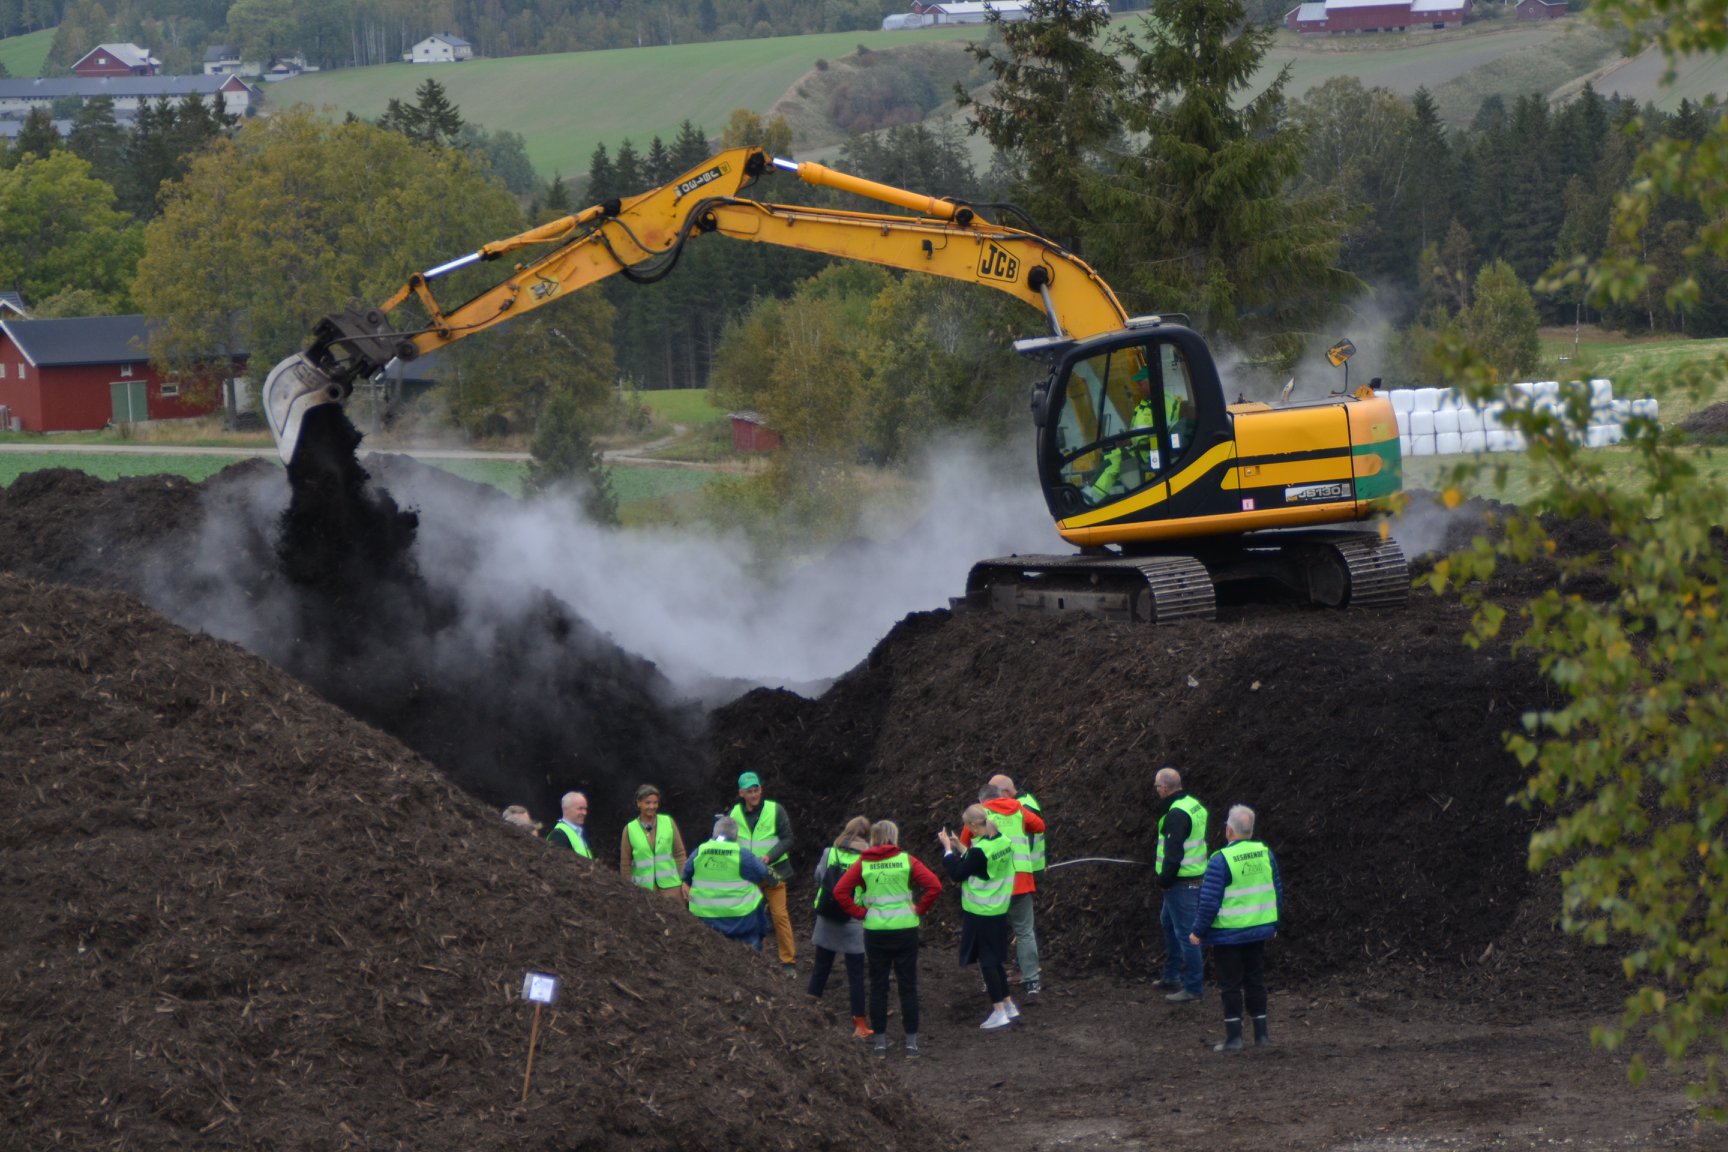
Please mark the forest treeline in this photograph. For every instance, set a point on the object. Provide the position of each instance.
(1273, 222)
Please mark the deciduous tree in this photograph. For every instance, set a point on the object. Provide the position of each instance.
(1631, 771)
(63, 230)
(292, 218)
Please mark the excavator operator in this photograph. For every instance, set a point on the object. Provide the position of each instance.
(1145, 454)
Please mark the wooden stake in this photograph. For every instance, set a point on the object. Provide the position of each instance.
(533, 1035)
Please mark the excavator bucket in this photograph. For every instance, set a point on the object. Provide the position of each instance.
(293, 388)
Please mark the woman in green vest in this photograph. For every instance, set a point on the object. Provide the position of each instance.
(985, 873)
(651, 851)
(837, 934)
(893, 890)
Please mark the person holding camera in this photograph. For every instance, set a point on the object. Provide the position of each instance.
(985, 873)
(890, 890)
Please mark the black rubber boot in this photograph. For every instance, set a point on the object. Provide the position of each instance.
(1232, 1037)
(1262, 1037)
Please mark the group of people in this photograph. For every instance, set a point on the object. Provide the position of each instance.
(872, 895)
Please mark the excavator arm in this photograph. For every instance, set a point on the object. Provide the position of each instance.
(641, 237)
(1168, 488)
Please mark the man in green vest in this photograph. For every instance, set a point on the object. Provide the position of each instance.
(721, 886)
(765, 831)
(1143, 449)
(1240, 903)
(1180, 863)
(1022, 822)
(571, 831)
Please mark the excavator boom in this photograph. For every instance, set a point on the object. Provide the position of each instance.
(1140, 457)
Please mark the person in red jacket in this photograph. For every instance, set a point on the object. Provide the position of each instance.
(1020, 824)
(890, 890)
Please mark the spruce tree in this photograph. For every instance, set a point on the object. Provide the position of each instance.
(563, 454)
(1198, 217)
(1052, 110)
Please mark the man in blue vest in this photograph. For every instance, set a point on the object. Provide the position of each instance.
(1180, 863)
(765, 831)
(721, 886)
(572, 830)
(1240, 903)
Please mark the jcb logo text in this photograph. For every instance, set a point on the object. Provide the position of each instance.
(998, 263)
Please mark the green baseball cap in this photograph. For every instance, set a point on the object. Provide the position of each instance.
(749, 780)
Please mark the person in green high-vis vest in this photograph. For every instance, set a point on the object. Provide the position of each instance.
(1179, 863)
(651, 851)
(765, 831)
(985, 873)
(1241, 900)
(890, 891)
(721, 886)
(571, 831)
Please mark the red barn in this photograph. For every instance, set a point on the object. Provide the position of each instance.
(85, 373)
(1341, 16)
(750, 433)
(116, 60)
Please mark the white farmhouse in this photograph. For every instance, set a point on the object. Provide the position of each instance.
(440, 49)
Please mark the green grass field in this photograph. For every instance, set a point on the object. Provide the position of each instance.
(23, 55)
(565, 105)
(687, 406)
(113, 466)
(641, 491)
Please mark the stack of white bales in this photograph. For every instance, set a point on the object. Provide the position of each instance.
(1441, 422)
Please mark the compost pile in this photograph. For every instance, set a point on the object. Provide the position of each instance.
(1369, 743)
(241, 918)
(242, 912)
(518, 700)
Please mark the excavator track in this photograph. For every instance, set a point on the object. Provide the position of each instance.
(1335, 569)
(1379, 572)
(1139, 589)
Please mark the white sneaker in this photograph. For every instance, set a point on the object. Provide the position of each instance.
(998, 1019)
(1013, 1010)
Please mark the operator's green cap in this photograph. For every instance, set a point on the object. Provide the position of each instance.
(1142, 373)
(749, 780)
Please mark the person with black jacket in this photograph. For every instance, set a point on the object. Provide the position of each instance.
(1180, 863)
(836, 933)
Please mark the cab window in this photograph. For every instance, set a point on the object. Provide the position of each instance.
(1109, 440)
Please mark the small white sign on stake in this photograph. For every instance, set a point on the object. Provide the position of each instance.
(540, 988)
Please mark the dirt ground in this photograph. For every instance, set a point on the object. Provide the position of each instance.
(242, 917)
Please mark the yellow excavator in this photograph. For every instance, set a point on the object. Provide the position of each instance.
(1168, 491)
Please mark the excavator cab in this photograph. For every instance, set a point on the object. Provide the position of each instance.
(1121, 413)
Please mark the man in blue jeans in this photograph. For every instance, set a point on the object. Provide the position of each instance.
(1181, 865)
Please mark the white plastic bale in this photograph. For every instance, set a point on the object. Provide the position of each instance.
(1473, 441)
(1491, 416)
(1448, 444)
(1601, 392)
(1446, 420)
(1425, 400)
(1469, 420)
(1518, 441)
(1402, 400)
(1404, 445)
(1422, 423)
(1498, 439)
(1422, 445)
(1546, 388)
(1596, 436)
